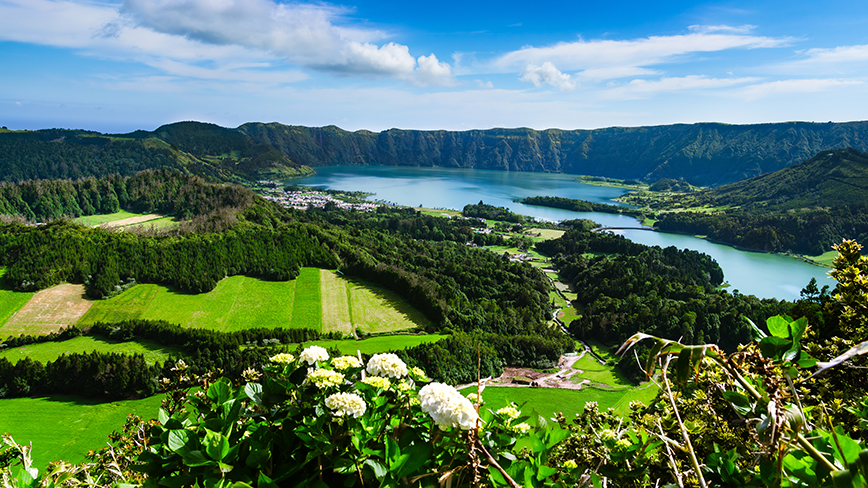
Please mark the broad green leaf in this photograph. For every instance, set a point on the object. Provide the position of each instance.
(265, 482)
(196, 458)
(555, 436)
(739, 401)
(849, 449)
(536, 444)
(162, 416)
(756, 332)
(254, 392)
(216, 445)
(779, 327)
(417, 455)
(177, 441)
(544, 472)
(773, 347)
(683, 366)
(220, 391)
(379, 470)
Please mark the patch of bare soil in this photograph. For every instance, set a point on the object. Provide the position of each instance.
(560, 379)
(48, 311)
(131, 221)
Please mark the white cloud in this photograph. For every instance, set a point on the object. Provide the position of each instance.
(735, 29)
(547, 74)
(225, 39)
(615, 58)
(637, 89)
(789, 87)
(487, 85)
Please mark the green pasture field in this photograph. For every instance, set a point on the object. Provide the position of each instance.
(66, 427)
(94, 220)
(549, 401)
(49, 351)
(307, 305)
(10, 301)
(158, 224)
(438, 212)
(825, 259)
(317, 299)
(546, 234)
(597, 373)
(374, 345)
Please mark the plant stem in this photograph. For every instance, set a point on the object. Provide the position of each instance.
(683, 430)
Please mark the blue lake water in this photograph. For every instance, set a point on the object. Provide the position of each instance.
(751, 273)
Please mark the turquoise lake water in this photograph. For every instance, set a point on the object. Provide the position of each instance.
(751, 273)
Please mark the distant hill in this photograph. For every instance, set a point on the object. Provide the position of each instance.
(829, 179)
(702, 154)
(706, 154)
(206, 150)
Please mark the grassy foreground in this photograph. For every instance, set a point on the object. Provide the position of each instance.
(66, 427)
(10, 301)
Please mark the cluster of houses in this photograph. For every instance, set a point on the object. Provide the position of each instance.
(302, 200)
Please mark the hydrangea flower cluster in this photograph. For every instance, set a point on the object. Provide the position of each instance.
(418, 374)
(521, 428)
(325, 378)
(475, 398)
(313, 354)
(282, 358)
(346, 405)
(387, 365)
(346, 362)
(447, 407)
(509, 412)
(378, 382)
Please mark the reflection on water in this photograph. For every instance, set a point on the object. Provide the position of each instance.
(751, 273)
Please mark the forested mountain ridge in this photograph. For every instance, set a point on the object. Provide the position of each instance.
(206, 150)
(703, 154)
(829, 179)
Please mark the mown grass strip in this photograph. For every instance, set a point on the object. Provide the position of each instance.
(66, 427)
(377, 310)
(335, 304)
(95, 220)
(307, 308)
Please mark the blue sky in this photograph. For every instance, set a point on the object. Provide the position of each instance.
(116, 66)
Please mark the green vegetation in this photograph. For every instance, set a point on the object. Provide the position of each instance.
(581, 205)
(65, 426)
(49, 351)
(375, 345)
(317, 299)
(10, 301)
(95, 220)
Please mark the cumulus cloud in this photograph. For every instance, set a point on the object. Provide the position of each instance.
(226, 39)
(547, 74)
(306, 34)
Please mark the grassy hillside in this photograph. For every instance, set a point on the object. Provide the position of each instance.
(239, 302)
(831, 178)
(49, 351)
(66, 427)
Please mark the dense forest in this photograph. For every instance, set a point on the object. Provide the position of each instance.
(701, 154)
(805, 208)
(580, 205)
(206, 150)
(624, 288)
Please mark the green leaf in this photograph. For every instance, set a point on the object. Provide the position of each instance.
(555, 436)
(216, 445)
(196, 458)
(773, 347)
(536, 444)
(755, 332)
(779, 327)
(379, 470)
(220, 391)
(739, 401)
(682, 366)
(417, 455)
(162, 416)
(544, 472)
(257, 458)
(254, 392)
(177, 441)
(265, 482)
(861, 348)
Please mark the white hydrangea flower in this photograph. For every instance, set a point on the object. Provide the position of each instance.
(509, 412)
(378, 382)
(404, 385)
(522, 428)
(418, 374)
(474, 398)
(282, 358)
(346, 405)
(324, 378)
(447, 407)
(346, 362)
(313, 354)
(387, 365)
